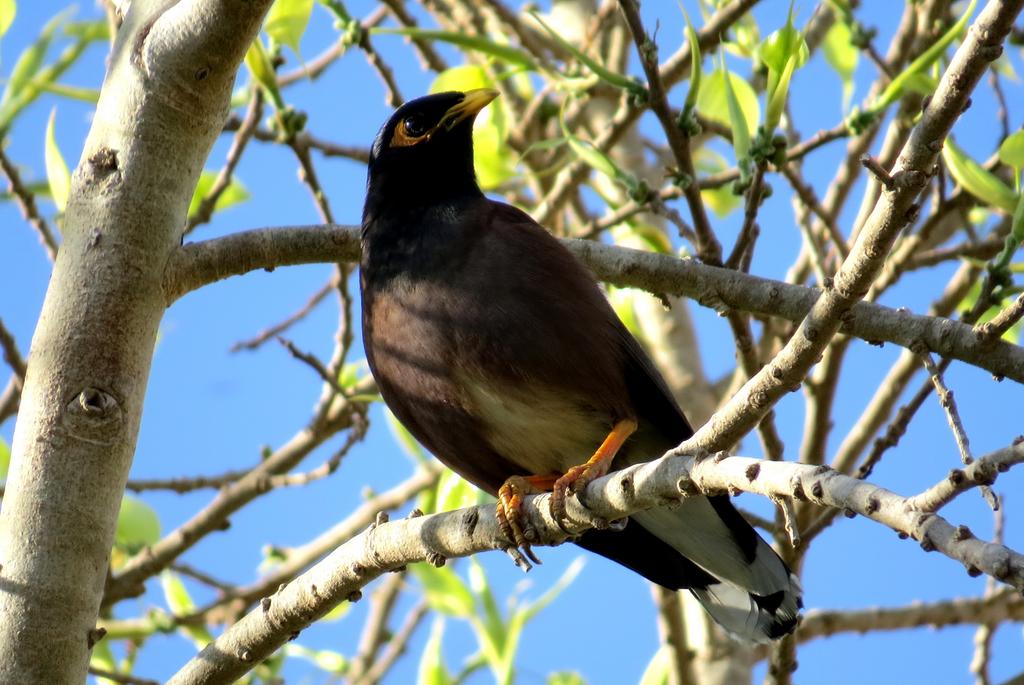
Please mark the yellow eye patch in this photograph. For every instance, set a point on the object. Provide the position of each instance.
(402, 137)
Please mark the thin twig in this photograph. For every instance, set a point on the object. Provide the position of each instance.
(995, 327)
(207, 205)
(396, 646)
(709, 250)
(949, 405)
(27, 203)
(279, 328)
(123, 678)
(748, 231)
(311, 361)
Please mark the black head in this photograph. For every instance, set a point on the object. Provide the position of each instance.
(424, 153)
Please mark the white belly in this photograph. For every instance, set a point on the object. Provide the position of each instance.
(539, 430)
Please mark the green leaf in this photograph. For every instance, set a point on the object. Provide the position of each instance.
(492, 622)
(494, 160)
(57, 175)
(405, 440)
(922, 84)
(5, 459)
(642, 236)
(696, 64)
(1011, 151)
(566, 678)
(258, 62)
(1017, 225)
(90, 95)
(18, 100)
(748, 37)
(783, 52)
(8, 9)
(1012, 335)
(102, 657)
(469, 42)
(777, 97)
(657, 671)
(621, 300)
(234, 194)
(921, 65)
(977, 180)
(445, 592)
(781, 46)
(31, 58)
(607, 75)
(137, 525)
(180, 602)
(593, 157)
(90, 30)
(178, 599)
(432, 670)
(722, 200)
(715, 103)
(564, 581)
(455, 492)
(287, 20)
(842, 56)
(840, 53)
(326, 660)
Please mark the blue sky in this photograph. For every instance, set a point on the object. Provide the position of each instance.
(208, 410)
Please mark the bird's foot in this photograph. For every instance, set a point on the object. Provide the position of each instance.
(515, 525)
(574, 482)
(579, 477)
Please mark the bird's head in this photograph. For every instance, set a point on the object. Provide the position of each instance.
(425, 150)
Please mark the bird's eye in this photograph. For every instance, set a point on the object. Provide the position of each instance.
(415, 126)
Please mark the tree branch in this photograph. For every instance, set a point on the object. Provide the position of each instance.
(894, 209)
(197, 264)
(391, 546)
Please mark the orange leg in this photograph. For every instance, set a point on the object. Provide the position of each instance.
(509, 511)
(579, 477)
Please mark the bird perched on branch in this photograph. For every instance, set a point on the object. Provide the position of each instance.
(497, 350)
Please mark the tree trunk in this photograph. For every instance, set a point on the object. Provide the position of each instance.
(163, 102)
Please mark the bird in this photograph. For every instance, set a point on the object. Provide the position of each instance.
(499, 352)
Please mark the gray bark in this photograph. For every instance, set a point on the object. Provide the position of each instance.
(164, 100)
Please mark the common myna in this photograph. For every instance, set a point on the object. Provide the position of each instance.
(497, 350)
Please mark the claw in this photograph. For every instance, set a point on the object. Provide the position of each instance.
(514, 525)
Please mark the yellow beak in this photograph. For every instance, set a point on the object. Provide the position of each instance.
(472, 102)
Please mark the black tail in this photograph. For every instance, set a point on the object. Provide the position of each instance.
(707, 547)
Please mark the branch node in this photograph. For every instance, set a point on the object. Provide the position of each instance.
(753, 471)
(686, 486)
(469, 521)
(94, 636)
(354, 596)
(797, 487)
(265, 604)
(626, 487)
(962, 533)
(436, 560)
